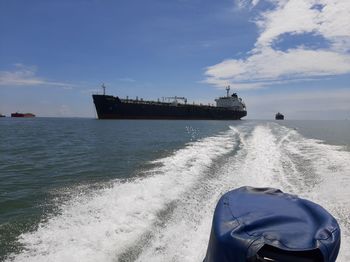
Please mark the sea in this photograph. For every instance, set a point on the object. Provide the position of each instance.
(75, 189)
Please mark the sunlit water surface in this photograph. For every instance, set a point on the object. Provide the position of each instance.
(89, 190)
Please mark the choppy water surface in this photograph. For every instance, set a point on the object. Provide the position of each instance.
(89, 190)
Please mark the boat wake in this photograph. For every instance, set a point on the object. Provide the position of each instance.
(165, 214)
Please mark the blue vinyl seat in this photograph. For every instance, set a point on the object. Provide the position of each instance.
(265, 224)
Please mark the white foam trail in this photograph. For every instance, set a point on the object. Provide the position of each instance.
(280, 157)
(324, 179)
(271, 156)
(185, 237)
(261, 166)
(167, 215)
(103, 225)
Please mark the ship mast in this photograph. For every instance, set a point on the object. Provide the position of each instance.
(104, 89)
(228, 90)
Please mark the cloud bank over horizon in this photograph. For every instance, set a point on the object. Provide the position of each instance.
(23, 75)
(328, 21)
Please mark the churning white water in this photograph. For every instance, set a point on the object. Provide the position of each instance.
(166, 214)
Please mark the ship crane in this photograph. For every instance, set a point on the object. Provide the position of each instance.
(175, 98)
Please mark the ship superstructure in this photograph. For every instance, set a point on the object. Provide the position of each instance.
(232, 102)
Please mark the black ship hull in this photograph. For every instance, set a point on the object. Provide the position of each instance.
(110, 107)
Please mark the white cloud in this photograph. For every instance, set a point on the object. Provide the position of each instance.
(299, 16)
(247, 3)
(330, 20)
(26, 76)
(268, 65)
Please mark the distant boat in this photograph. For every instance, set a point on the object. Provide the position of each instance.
(279, 116)
(22, 115)
(1, 115)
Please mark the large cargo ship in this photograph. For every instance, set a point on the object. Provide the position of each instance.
(22, 115)
(229, 107)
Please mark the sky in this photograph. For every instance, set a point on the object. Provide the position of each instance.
(291, 56)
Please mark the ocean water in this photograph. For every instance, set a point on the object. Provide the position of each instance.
(90, 190)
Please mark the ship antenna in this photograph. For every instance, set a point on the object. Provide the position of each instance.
(228, 90)
(104, 89)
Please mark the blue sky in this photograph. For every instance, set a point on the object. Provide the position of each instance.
(279, 55)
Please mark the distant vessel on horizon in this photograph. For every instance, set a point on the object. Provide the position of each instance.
(1, 115)
(22, 115)
(229, 107)
(279, 116)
